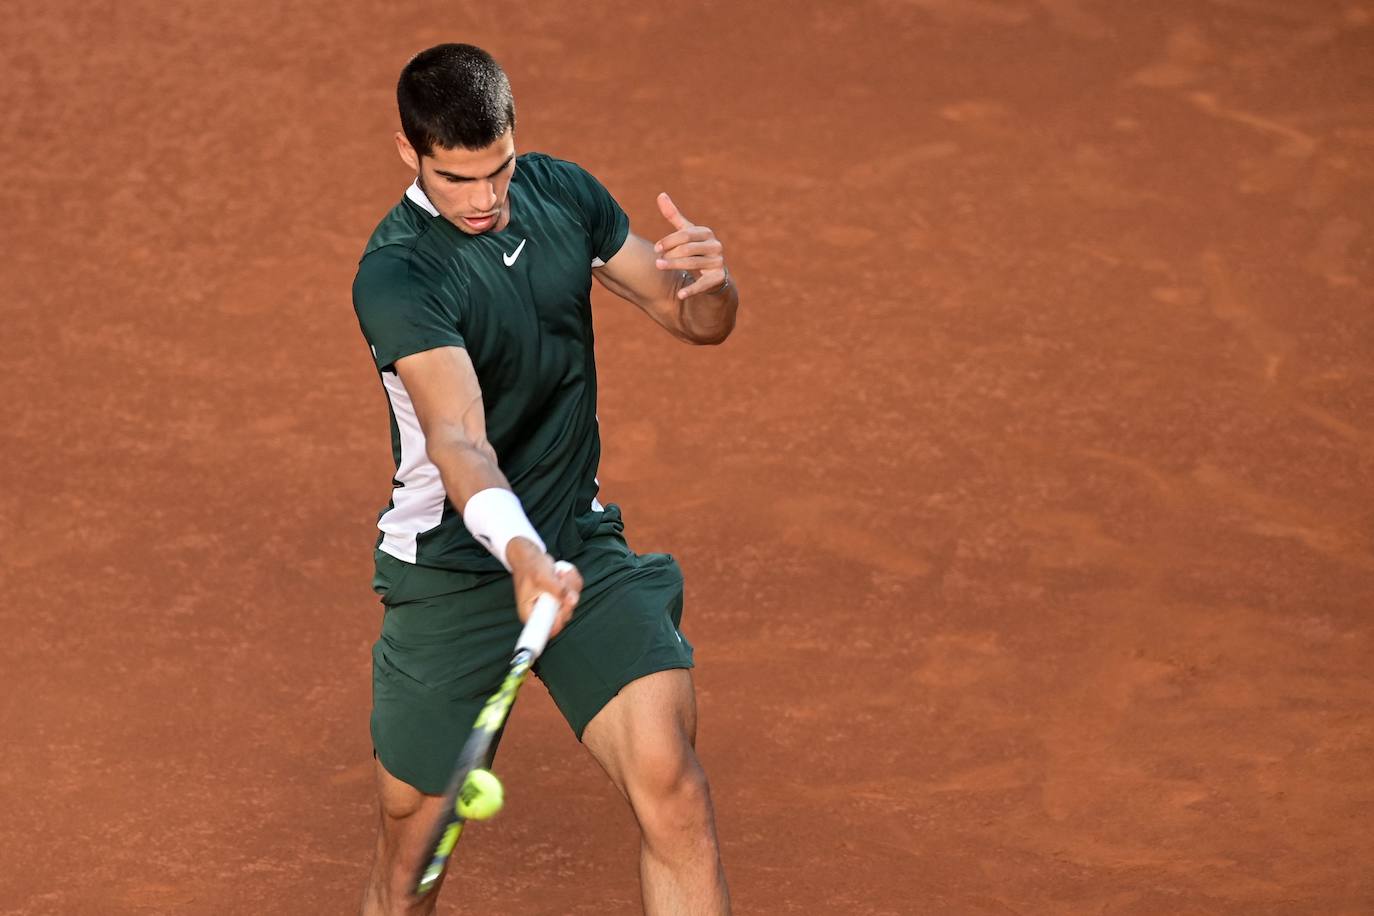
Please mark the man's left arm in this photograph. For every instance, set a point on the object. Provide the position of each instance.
(681, 281)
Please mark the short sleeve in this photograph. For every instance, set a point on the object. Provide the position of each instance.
(606, 222)
(398, 312)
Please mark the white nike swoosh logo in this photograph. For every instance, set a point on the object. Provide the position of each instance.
(510, 258)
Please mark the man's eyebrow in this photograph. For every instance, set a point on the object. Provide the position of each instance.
(456, 177)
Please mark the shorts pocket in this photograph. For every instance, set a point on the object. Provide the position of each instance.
(388, 574)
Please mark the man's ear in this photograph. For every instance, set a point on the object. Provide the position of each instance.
(407, 152)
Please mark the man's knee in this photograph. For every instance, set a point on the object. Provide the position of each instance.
(643, 738)
(399, 799)
(669, 793)
(408, 815)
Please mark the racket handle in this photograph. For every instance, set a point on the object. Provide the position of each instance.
(535, 635)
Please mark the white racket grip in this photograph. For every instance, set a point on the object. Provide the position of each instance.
(535, 636)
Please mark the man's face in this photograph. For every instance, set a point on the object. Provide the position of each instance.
(467, 187)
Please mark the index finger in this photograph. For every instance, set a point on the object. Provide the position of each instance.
(571, 582)
(682, 237)
(570, 578)
(671, 213)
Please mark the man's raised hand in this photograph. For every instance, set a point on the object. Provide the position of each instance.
(690, 247)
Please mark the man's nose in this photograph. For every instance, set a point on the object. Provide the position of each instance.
(486, 196)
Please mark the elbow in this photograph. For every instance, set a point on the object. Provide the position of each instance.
(713, 338)
(712, 333)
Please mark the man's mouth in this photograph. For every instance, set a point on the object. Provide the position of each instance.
(481, 222)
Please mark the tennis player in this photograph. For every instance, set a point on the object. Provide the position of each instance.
(474, 296)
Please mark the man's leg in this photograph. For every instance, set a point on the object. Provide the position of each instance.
(407, 816)
(644, 738)
(444, 648)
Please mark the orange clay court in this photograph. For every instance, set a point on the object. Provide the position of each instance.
(1027, 516)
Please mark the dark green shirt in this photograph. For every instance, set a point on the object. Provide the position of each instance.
(519, 302)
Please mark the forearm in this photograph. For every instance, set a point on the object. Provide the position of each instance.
(466, 468)
(707, 317)
(469, 468)
(492, 513)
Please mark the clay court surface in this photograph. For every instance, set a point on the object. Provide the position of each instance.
(1027, 517)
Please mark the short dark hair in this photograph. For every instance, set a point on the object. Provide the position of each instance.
(454, 95)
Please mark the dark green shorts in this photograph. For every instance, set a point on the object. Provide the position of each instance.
(447, 638)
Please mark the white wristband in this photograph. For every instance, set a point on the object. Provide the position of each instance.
(495, 518)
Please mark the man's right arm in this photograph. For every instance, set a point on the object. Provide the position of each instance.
(444, 390)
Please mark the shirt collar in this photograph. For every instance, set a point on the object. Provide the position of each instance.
(420, 199)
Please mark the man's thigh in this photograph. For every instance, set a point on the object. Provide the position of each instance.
(444, 648)
(624, 628)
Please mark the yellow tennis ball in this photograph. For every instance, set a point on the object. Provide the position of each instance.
(481, 796)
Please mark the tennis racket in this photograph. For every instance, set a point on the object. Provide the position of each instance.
(531, 643)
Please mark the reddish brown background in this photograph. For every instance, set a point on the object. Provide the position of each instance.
(1027, 517)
